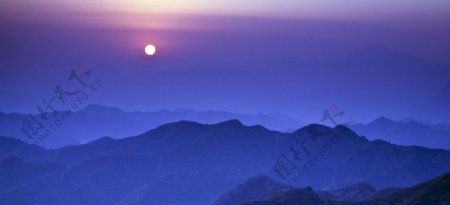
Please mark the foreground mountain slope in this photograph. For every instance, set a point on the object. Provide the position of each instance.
(436, 192)
(261, 189)
(357, 192)
(293, 197)
(254, 188)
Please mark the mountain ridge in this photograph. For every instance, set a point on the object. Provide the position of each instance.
(434, 191)
(219, 156)
(94, 121)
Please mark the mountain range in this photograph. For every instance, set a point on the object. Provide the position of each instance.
(409, 132)
(96, 121)
(191, 163)
(431, 192)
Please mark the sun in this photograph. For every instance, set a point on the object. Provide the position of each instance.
(150, 50)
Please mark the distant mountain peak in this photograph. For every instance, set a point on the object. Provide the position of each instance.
(315, 129)
(96, 108)
(344, 129)
(416, 120)
(230, 123)
(382, 120)
(181, 123)
(412, 122)
(185, 124)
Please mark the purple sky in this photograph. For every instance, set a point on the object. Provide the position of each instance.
(379, 58)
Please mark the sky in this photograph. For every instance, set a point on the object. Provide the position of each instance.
(301, 8)
(370, 58)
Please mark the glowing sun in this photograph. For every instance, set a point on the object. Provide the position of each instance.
(150, 50)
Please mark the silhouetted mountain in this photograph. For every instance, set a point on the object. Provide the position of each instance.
(292, 197)
(263, 188)
(95, 121)
(404, 133)
(382, 193)
(192, 163)
(10, 147)
(435, 191)
(357, 192)
(251, 190)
